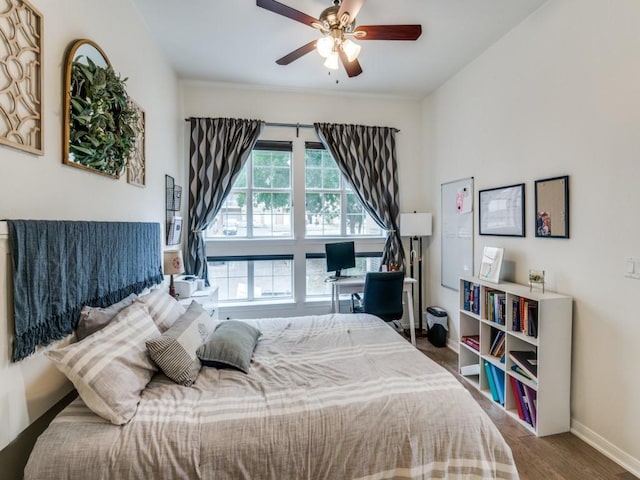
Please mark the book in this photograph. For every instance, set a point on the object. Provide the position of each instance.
(527, 360)
(532, 399)
(516, 396)
(499, 336)
(492, 387)
(472, 340)
(467, 370)
(515, 315)
(525, 400)
(498, 381)
(517, 369)
(532, 314)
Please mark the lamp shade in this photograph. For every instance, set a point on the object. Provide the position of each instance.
(415, 224)
(173, 263)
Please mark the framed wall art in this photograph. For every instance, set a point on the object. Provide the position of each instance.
(501, 211)
(21, 76)
(552, 207)
(136, 167)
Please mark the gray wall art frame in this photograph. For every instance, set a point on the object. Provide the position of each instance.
(552, 207)
(501, 211)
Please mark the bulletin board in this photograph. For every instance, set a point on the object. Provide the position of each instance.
(457, 231)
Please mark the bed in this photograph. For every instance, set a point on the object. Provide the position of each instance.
(338, 396)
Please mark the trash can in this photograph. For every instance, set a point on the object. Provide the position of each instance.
(437, 326)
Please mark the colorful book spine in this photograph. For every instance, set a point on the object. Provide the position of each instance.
(492, 387)
(532, 398)
(516, 396)
(525, 403)
(498, 381)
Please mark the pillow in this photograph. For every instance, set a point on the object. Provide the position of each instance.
(111, 367)
(93, 319)
(230, 346)
(175, 351)
(163, 308)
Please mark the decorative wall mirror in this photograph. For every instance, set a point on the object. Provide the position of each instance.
(99, 118)
(552, 207)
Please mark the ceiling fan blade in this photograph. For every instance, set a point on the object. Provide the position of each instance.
(389, 32)
(353, 68)
(351, 7)
(286, 11)
(297, 53)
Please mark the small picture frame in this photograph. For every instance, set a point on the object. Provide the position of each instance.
(491, 264)
(552, 207)
(501, 211)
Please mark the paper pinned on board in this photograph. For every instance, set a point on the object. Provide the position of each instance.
(464, 200)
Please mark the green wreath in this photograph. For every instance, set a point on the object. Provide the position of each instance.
(102, 125)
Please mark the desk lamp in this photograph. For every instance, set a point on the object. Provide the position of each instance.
(173, 265)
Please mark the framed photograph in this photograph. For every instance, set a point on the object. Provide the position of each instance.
(491, 264)
(552, 207)
(501, 211)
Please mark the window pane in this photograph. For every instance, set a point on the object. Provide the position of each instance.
(317, 273)
(231, 278)
(273, 278)
(313, 177)
(272, 214)
(322, 214)
(241, 181)
(232, 218)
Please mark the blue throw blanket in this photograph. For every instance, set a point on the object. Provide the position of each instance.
(60, 266)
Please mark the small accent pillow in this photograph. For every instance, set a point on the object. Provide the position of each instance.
(93, 319)
(175, 351)
(230, 346)
(163, 308)
(111, 367)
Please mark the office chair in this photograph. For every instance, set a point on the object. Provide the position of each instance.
(382, 296)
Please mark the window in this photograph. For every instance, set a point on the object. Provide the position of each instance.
(331, 206)
(248, 278)
(265, 180)
(261, 248)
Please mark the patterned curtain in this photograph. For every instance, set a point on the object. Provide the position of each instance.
(219, 148)
(367, 158)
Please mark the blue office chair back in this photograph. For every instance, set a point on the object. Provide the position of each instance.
(383, 295)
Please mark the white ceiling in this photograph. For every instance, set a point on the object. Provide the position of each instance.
(234, 41)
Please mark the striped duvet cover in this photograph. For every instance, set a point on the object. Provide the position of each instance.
(327, 397)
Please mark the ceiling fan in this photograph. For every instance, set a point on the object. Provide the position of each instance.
(338, 25)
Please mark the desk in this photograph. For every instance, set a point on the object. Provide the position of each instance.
(356, 284)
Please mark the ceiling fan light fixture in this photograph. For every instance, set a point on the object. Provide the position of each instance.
(333, 61)
(324, 46)
(351, 49)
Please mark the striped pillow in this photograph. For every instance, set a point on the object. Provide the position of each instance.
(175, 350)
(163, 308)
(111, 367)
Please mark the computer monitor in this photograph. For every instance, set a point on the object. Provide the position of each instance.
(340, 256)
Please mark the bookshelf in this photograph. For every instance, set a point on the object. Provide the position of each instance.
(489, 315)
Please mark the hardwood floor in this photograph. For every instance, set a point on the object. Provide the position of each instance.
(555, 457)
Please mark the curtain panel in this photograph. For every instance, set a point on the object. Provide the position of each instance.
(367, 158)
(218, 149)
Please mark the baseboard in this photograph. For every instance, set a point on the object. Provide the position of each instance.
(605, 447)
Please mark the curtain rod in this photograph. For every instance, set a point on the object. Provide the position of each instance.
(289, 125)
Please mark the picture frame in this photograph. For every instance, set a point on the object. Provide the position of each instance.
(491, 264)
(501, 211)
(136, 167)
(552, 207)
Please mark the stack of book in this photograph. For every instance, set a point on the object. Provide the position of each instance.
(526, 401)
(525, 363)
(497, 346)
(471, 297)
(495, 378)
(472, 340)
(525, 316)
(495, 306)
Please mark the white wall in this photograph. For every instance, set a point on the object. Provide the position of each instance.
(559, 95)
(41, 187)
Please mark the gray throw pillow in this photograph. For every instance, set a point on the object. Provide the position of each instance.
(93, 319)
(175, 350)
(230, 346)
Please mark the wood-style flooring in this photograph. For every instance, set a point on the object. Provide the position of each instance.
(555, 457)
